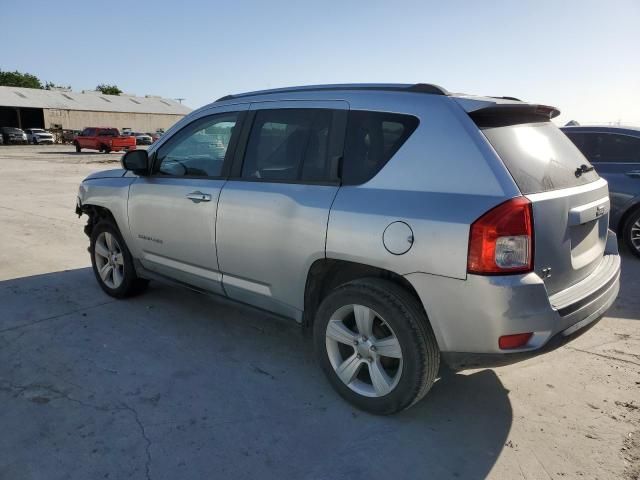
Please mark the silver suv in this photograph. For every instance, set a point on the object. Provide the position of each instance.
(404, 225)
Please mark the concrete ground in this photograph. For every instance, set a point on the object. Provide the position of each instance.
(176, 385)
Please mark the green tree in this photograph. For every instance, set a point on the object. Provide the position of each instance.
(51, 85)
(17, 79)
(108, 89)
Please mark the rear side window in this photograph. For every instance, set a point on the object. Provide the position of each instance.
(372, 139)
(290, 145)
(611, 147)
(539, 156)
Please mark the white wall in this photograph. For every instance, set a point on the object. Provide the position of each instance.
(79, 119)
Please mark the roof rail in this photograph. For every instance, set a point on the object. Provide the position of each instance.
(507, 98)
(415, 88)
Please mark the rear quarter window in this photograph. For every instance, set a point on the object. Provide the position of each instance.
(372, 138)
(539, 156)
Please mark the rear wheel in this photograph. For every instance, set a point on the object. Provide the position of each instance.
(631, 232)
(376, 346)
(112, 262)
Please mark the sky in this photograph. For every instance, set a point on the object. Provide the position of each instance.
(580, 56)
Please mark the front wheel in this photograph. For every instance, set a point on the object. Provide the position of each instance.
(77, 145)
(375, 345)
(631, 232)
(112, 262)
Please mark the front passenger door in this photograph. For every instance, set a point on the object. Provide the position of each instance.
(172, 212)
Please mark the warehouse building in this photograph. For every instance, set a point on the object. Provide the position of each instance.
(64, 109)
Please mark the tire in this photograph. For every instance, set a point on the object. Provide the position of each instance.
(77, 145)
(631, 232)
(395, 313)
(120, 279)
(105, 149)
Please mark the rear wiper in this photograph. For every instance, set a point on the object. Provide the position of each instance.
(583, 169)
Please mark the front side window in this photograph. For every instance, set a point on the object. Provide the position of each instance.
(289, 145)
(372, 139)
(199, 149)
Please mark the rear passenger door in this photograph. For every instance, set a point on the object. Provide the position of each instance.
(273, 211)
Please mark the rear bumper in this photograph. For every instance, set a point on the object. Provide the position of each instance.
(468, 316)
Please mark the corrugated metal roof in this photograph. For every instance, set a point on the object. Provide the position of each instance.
(94, 101)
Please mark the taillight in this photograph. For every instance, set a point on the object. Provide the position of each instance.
(501, 241)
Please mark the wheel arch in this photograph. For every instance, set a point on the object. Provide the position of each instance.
(631, 209)
(96, 214)
(326, 274)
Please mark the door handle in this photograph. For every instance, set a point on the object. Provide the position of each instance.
(634, 173)
(197, 197)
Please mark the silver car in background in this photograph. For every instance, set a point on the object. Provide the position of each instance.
(404, 225)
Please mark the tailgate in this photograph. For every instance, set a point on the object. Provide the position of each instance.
(123, 141)
(570, 201)
(571, 228)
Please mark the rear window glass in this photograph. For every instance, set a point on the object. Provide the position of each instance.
(108, 132)
(372, 139)
(539, 157)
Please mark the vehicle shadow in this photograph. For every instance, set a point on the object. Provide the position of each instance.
(174, 384)
(627, 304)
(73, 152)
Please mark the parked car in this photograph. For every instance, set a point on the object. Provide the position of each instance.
(38, 135)
(13, 135)
(402, 224)
(155, 136)
(1, 139)
(143, 138)
(615, 153)
(68, 136)
(104, 140)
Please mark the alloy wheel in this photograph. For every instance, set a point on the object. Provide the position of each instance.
(635, 235)
(363, 350)
(109, 260)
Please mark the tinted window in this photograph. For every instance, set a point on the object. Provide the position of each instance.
(372, 139)
(610, 147)
(199, 149)
(108, 132)
(539, 156)
(289, 144)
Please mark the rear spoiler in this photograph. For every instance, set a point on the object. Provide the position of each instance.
(495, 112)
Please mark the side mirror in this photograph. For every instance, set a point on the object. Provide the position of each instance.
(137, 161)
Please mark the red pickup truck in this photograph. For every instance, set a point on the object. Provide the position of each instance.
(104, 140)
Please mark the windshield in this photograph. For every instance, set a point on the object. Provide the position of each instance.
(540, 157)
(12, 130)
